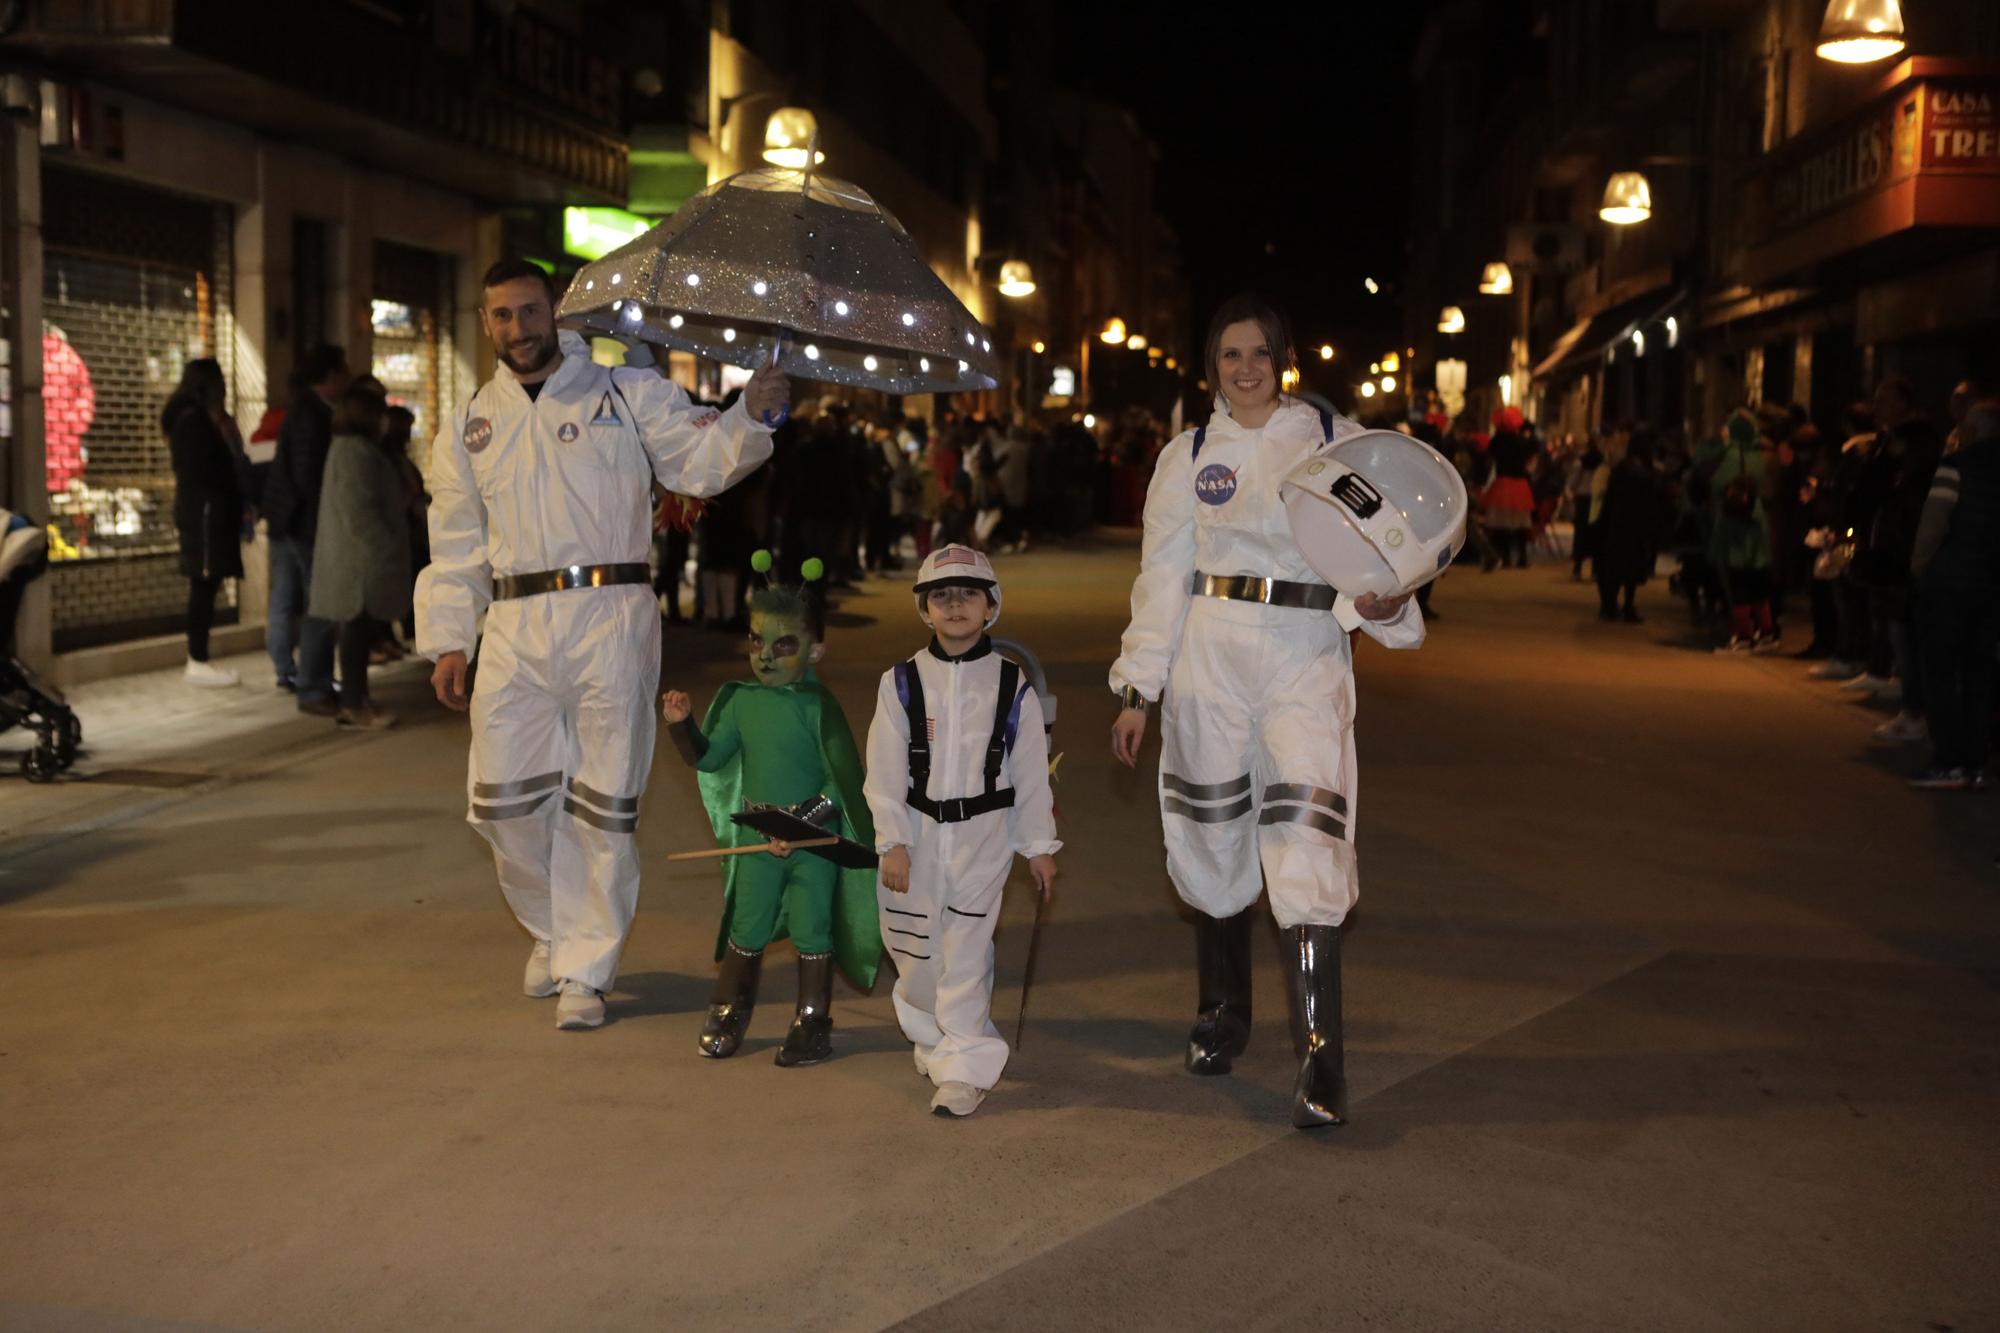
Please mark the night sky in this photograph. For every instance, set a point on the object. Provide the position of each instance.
(1285, 146)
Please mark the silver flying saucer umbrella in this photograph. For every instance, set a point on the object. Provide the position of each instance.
(796, 262)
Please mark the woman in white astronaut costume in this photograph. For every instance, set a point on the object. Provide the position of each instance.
(1247, 652)
(959, 826)
(541, 518)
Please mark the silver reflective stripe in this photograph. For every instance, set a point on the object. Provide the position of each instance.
(521, 787)
(1206, 814)
(624, 805)
(1302, 814)
(1213, 791)
(1311, 795)
(609, 823)
(527, 807)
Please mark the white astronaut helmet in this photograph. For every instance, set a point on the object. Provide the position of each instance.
(957, 566)
(1378, 512)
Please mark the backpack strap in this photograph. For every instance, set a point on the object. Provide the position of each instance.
(1326, 425)
(1003, 711)
(910, 689)
(1200, 436)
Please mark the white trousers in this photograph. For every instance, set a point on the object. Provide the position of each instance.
(1257, 763)
(562, 741)
(940, 935)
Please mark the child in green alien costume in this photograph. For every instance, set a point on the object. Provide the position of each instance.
(781, 739)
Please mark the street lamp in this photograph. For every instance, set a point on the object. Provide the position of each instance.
(1451, 320)
(1017, 279)
(1390, 361)
(1855, 32)
(1368, 388)
(1114, 332)
(788, 135)
(1627, 199)
(1388, 384)
(1136, 343)
(1497, 279)
(1326, 351)
(1371, 285)
(1040, 347)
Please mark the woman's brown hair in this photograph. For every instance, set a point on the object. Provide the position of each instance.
(362, 409)
(1270, 321)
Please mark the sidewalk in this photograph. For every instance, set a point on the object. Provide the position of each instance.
(151, 738)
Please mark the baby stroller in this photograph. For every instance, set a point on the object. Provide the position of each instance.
(24, 700)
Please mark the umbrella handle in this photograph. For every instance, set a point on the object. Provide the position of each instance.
(784, 413)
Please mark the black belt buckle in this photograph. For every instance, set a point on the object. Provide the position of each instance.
(952, 811)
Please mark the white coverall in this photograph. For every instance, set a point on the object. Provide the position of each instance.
(941, 932)
(562, 714)
(1257, 724)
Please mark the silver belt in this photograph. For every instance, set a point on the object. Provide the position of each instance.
(506, 587)
(1271, 592)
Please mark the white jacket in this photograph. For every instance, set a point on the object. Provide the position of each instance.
(1221, 514)
(960, 697)
(519, 486)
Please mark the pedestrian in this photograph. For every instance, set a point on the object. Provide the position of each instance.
(958, 784)
(1739, 544)
(1509, 501)
(398, 425)
(1629, 528)
(208, 506)
(361, 554)
(1230, 636)
(541, 516)
(291, 517)
(1956, 559)
(1583, 499)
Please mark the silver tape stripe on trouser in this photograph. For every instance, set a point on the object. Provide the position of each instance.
(515, 811)
(1214, 791)
(1206, 792)
(617, 805)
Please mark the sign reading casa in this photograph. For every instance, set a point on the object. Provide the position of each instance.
(1961, 127)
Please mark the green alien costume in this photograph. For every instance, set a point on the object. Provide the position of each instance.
(780, 745)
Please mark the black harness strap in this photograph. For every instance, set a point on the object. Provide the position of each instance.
(994, 797)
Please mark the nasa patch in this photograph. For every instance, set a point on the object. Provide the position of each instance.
(1215, 484)
(478, 434)
(566, 432)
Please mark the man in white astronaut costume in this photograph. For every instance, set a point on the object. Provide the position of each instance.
(541, 518)
(950, 815)
(1247, 651)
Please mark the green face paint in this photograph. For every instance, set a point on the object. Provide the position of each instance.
(780, 647)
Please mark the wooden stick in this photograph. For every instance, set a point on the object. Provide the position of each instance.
(745, 851)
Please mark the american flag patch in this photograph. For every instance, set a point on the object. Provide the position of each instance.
(930, 729)
(707, 419)
(956, 555)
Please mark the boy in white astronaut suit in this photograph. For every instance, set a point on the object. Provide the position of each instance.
(951, 810)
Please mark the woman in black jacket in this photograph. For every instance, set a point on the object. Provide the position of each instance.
(208, 506)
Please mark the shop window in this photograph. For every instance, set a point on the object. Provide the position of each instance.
(135, 285)
(410, 317)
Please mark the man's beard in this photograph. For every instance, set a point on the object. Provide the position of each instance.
(545, 352)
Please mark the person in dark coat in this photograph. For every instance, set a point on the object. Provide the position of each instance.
(291, 516)
(208, 505)
(361, 571)
(1629, 529)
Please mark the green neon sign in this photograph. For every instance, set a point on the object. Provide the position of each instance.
(592, 233)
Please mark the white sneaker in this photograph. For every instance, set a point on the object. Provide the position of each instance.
(1834, 669)
(579, 1007)
(1902, 729)
(1865, 684)
(209, 676)
(536, 982)
(957, 1099)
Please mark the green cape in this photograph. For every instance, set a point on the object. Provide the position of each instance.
(857, 936)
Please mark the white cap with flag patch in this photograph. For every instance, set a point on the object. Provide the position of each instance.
(957, 566)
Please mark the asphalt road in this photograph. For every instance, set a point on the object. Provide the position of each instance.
(1668, 1007)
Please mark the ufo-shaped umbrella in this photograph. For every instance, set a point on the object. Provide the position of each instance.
(792, 260)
